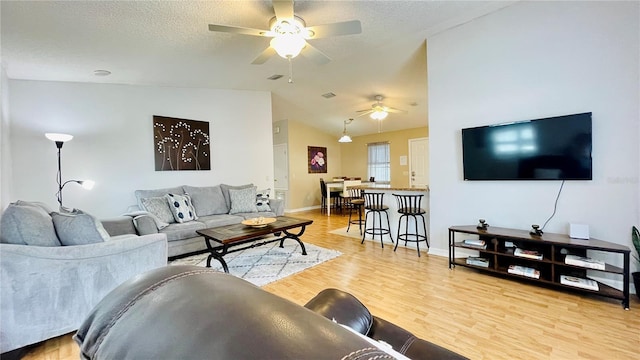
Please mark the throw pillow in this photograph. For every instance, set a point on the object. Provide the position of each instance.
(243, 201)
(27, 224)
(207, 200)
(159, 207)
(225, 191)
(182, 208)
(262, 200)
(143, 194)
(78, 228)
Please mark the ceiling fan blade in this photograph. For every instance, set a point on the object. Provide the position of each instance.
(315, 55)
(364, 112)
(264, 56)
(283, 9)
(239, 30)
(335, 29)
(397, 111)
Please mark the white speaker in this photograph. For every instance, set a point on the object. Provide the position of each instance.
(579, 231)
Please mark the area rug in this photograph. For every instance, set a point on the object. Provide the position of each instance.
(265, 264)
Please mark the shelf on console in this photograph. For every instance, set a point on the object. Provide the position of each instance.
(551, 266)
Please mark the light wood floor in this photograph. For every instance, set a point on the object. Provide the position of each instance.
(477, 315)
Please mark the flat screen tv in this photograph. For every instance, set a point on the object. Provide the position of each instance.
(555, 148)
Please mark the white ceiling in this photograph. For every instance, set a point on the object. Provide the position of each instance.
(168, 43)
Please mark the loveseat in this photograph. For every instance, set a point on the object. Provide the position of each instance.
(56, 266)
(198, 208)
(150, 317)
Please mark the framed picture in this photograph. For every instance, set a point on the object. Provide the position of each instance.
(180, 144)
(317, 159)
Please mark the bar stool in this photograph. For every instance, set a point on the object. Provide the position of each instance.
(409, 206)
(374, 206)
(352, 202)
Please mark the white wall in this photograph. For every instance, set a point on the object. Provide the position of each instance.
(5, 149)
(113, 140)
(527, 61)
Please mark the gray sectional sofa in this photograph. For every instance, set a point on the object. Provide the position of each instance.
(204, 207)
(56, 266)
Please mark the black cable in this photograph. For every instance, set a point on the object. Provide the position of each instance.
(555, 206)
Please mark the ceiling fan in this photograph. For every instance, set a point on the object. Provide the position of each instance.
(290, 34)
(379, 111)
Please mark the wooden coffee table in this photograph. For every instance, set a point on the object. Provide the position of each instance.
(219, 240)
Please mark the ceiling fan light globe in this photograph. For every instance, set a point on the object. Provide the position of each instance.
(288, 45)
(379, 115)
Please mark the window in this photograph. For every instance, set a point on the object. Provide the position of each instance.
(378, 164)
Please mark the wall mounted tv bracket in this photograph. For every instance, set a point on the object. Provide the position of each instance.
(535, 230)
(482, 225)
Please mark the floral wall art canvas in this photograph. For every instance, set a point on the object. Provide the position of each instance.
(317, 161)
(181, 144)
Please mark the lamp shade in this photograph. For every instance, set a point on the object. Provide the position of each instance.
(345, 139)
(58, 137)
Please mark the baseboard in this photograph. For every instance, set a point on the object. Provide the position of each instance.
(302, 209)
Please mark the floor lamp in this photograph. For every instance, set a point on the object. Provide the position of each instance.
(60, 139)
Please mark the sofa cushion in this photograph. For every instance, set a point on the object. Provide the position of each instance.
(181, 207)
(243, 200)
(262, 200)
(180, 231)
(253, 215)
(27, 224)
(159, 207)
(220, 220)
(141, 194)
(207, 200)
(225, 191)
(78, 228)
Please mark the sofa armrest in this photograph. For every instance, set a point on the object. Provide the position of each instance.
(122, 225)
(145, 224)
(277, 206)
(408, 344)
(47, 291)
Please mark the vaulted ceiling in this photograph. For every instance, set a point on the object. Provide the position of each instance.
(167, 43)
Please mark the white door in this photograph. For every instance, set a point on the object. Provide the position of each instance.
(280, 167)
(419, 162)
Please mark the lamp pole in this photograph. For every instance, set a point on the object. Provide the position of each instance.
(59, 146)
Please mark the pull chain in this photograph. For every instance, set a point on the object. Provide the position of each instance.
(290, 70)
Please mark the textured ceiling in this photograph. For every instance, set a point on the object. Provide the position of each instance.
(168, 43)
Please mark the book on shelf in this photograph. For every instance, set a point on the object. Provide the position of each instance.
(475, 243)
(478, 261)
(529, 254)
(579, 282)
(583, 261)
(524, 271)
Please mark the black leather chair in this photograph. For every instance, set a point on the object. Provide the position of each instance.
(410, 208)
(190, 312)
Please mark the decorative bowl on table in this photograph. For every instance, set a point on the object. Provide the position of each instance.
(258, 222)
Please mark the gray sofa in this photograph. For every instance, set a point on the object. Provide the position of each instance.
(210, 206)
(55, 267)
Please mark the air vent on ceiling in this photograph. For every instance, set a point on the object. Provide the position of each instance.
(328, 95)
(275, 77)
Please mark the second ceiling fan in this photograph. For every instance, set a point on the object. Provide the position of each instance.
(290, 34)
(379, 111)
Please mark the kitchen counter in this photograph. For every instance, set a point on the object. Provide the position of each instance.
(387, 187)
